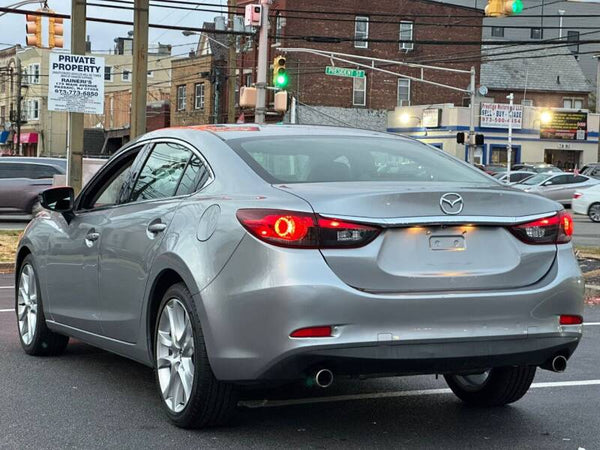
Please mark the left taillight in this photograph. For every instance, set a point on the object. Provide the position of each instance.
(304, 230)
(557, 229)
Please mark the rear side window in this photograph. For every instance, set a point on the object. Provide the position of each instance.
(161, 173)
(194, 176)
(41, 171)
(321, 159)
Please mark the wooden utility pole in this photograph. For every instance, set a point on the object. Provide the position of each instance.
(75, 149)
(232, 62)
(140, 68)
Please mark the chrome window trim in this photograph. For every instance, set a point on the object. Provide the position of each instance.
(441, 220)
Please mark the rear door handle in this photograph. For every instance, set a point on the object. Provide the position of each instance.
(157, 227)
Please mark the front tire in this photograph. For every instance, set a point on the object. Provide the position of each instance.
(36, 339)
(191, 395)
(594, 212)
(494, 387)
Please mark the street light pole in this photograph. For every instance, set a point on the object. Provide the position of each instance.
(471, 146)
(232, 62)
(261, 69)
(511, 98)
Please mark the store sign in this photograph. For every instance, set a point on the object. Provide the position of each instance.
(432, 118)
(565, 125)
(76, 83)
(496, 115)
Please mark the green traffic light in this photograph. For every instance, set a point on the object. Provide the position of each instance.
(282, 80)
(517, 7)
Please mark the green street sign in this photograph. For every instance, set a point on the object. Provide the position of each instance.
(343, 72)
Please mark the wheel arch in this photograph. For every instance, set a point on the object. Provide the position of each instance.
(167, 272)
(21, 255)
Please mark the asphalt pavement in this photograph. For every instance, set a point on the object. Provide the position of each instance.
(89, 398)
(585, 232)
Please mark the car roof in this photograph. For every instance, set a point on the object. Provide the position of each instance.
(228, 132)
(59, 162)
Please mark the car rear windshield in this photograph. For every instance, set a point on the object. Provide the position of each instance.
(318, 159)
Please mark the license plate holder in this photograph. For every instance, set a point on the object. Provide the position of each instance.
(447, 242)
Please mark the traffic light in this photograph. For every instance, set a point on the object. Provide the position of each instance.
(33, 27)
(503, 8)
(55, 32)
(280, 75)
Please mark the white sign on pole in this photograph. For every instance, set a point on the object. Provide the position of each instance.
(76, 83)
(496, 115)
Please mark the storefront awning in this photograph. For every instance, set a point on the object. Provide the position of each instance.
(27, 138)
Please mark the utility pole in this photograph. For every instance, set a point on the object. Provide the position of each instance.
(261, 70)
(139, 86)
(598, 100)
(471, 156)
(232, 62)
(511, 98)
(75, 150)
(19, 98)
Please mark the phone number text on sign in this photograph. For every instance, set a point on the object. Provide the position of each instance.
(76, 83)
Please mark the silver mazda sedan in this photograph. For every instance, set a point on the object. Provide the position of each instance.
(223, 256)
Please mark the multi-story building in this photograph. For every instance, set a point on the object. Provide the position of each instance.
(198, 83)
(8, 96)
(399, 30)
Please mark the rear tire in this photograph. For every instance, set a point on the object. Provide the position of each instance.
(181, 361)
(34, 335)
(594, 212)
(503, 385)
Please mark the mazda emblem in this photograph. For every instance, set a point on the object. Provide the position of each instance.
(451, 203)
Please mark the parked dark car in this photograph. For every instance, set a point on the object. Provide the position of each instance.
(493, 169)
(591, 170)
(23, 178)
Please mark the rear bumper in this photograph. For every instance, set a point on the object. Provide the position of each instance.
(424, 357)
(264, 293)
(580, 206)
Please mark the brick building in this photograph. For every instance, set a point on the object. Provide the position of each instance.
(383, 24)
(198, 83)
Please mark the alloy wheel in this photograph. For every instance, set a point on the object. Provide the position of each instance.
(27, 304)
(175, 355)
(595, 212)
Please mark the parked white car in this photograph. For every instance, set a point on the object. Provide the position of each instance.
(587, 202)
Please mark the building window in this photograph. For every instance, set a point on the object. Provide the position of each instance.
(527, 102)
(359, 91)
(279, 24)
(497, 31)
(406, 34)
(199, 96)
(126, 75)
(107, 73)
(361, 32)
(32, 109)
(34, 73)
(573, 36)
(403, 92)
(537, 33)
(573, 103)
(248, 79)
(181, 98)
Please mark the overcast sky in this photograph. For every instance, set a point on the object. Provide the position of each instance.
(12, 26)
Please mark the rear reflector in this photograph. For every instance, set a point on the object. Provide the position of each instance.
(570, 320)
(304, 230)
(557, 229)
(577, 195)
(312, 332)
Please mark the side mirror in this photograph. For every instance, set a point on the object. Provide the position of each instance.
(59, 199)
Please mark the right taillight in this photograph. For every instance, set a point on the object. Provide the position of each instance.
(557, 229)
(304, 230)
